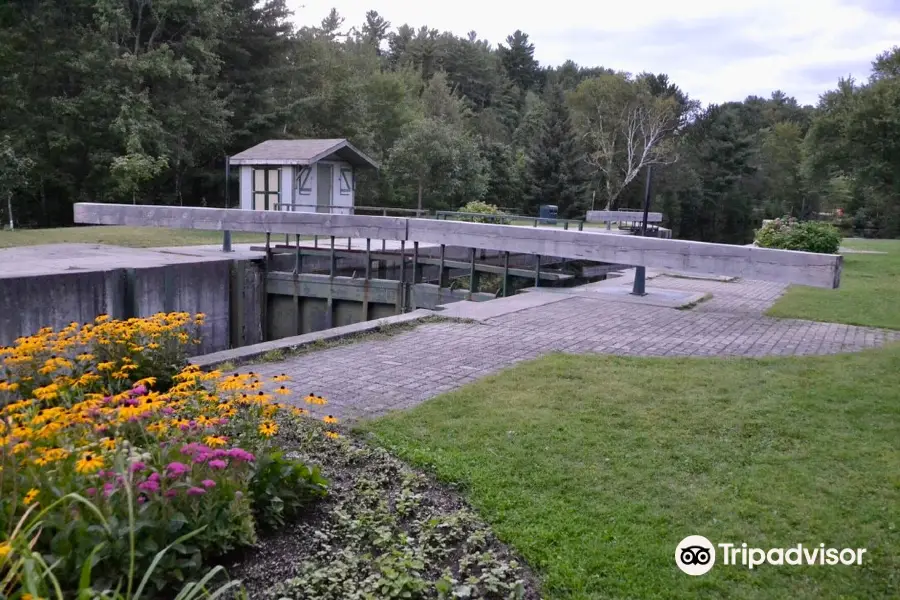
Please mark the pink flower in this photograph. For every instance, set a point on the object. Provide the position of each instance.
(139, 390)
(167, 410)
(108, 489)
(171, 493)
(174, 469)
(241, 455)
(137, 466)
(91, 491)
(141, 499)
(153, 476)
(148, 486)
(195, 491)
(217, 464)
(208, 483)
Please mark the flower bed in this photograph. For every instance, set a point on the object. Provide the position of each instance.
(108, 411)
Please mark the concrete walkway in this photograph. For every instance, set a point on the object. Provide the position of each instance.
(370, 378)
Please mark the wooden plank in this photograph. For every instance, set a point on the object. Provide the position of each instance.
(496, 269)
(233, 219)
(637, 216)
(783, 266)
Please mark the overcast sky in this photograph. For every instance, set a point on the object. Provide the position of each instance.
(716, 50)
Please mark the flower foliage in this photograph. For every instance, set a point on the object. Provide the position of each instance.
(787, 233)
(109, 408)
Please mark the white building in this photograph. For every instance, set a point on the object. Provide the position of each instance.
(300, 175)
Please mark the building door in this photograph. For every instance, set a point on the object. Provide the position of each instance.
(266, 188)
(323, 188)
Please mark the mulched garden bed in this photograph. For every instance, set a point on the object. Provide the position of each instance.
(384, 531)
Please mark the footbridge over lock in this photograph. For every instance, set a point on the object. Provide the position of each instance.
(318, 271)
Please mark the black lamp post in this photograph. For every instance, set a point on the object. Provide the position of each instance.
(640, 273)
(226, 236)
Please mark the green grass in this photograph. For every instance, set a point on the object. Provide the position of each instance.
(594, 468)
(132, 237)
(868, 294)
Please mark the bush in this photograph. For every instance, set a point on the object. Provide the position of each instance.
(106, 411)
(477, 206)
(787, 233)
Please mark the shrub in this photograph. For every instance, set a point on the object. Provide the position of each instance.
(477, 206)
(106, 411)
(787, 233)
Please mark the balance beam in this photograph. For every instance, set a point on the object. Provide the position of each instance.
(766, 264)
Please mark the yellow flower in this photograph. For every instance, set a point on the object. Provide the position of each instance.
(299, 411)
(214, 441)
(108, 443)
(268, 428)
(158, 428)
(330, 419)
(283, 391)
(106, 366)
(30, 496)
(89, 463)
(5, 549)
(280, 378)
(313, 399)
(331, 434)
(21, 447)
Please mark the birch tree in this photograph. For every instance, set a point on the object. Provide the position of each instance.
(624, 129)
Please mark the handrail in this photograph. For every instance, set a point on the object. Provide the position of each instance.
(504, 219)
(382, 209)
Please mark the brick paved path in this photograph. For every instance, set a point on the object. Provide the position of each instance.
(371, 378)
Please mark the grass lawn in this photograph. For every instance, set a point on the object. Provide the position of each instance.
(868, 295)
(133, 237)
(595, 478)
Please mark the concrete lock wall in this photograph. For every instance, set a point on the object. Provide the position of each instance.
(28, 304)
(230, 293)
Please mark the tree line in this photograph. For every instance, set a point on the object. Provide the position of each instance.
(142, 100)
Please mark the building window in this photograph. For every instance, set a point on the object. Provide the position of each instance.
(303, 181)
(346, 181)
(266, 188)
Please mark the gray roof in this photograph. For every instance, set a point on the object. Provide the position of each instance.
(302, 152)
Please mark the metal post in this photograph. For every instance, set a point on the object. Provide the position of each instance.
(472, 282)
(537, 270)
(505, 271)
(368, 259)
(297, 258)
(226, 235)
(566, 226)
(402, 300)
(349, 243)
(315, 241)
(640, 273)
(332, 261)
(441, 267)
(415, 273)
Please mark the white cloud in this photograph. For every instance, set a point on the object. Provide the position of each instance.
(716, 50)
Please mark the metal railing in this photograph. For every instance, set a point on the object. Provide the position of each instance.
(504, 219)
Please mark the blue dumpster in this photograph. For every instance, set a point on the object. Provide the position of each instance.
(548, 211)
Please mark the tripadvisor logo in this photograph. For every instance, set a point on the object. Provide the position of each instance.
(696, 555)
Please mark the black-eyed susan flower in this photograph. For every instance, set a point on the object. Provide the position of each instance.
(30, 497)
(268, 428)
(281, 378)
(215, 441)
(329, 419)
(332, 434)
(89, 463)
(283, 391)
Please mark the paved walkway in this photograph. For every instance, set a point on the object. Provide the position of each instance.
(370, 378)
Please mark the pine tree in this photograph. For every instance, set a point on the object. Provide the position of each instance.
(553, 174)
